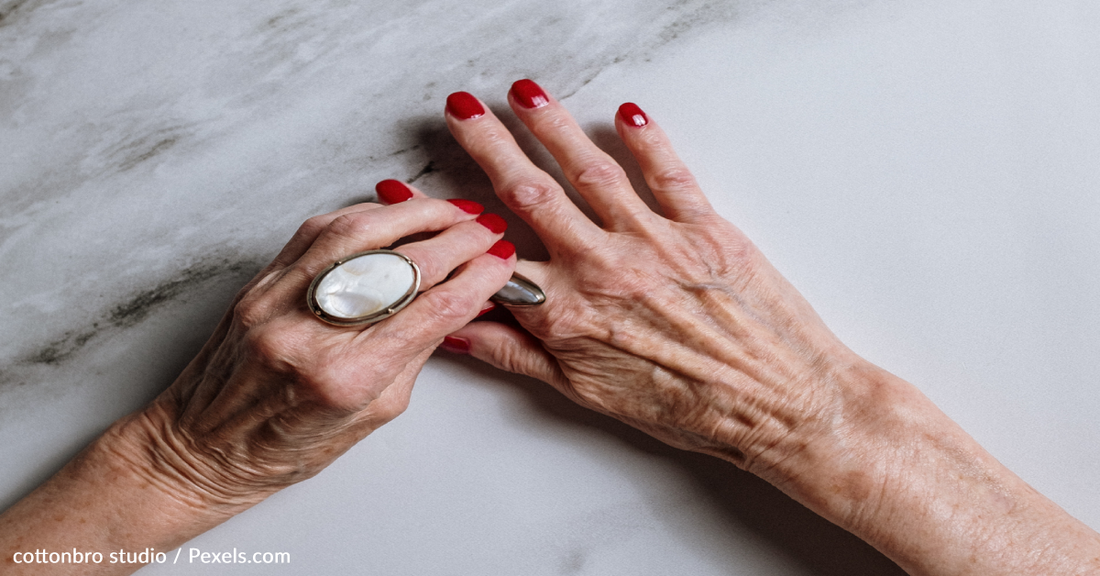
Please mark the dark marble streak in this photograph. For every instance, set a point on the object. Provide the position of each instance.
(137, 307)
(564, 47)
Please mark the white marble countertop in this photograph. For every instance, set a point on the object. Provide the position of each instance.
(927, 173)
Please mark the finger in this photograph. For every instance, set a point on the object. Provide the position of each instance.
(594, 174)
(388, 191)
(668, 178)
(528, 191)
(438, 256)
(443, 309)
(309, 231)
(506, 348)
(395, 191)
(372, 229)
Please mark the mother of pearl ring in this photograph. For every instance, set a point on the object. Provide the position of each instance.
(364, 288)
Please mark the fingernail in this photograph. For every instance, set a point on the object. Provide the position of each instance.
(455, 345)
(392, 191)
(503, 249)
(493, 222)
(529, 94)
(488, 307)
(463, 105)
(632, 115)
(467, 206)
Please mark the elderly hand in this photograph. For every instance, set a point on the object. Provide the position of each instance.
(275, 395)
(676, 324)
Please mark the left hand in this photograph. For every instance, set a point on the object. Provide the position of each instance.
(276, 395)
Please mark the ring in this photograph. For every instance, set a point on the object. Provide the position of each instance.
(364, 288)
(519, 291)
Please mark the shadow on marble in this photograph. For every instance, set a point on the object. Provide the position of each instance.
(820, 547)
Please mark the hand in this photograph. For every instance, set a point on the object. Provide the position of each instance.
(676, 324)
(276, 394)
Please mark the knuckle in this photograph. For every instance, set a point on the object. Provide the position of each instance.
(675, 178)
(388, 407)
(529, 194)
(252, 310)
(354, 225)
(599, 174)
(431, 265)
(494, 138)
(311, 227)
(271, 346)
(449, 307)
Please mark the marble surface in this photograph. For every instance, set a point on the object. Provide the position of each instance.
(927, 173)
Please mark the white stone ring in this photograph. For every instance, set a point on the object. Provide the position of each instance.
(364, 288)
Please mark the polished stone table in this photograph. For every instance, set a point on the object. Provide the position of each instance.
(927, 173)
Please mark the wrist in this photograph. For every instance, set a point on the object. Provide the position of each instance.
(871, 434)
(893, 469)
(148, 449)
(157, 505)
(106, 500)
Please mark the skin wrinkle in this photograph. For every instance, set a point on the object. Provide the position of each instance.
(161, 462)
(748, 413)
(266, 448)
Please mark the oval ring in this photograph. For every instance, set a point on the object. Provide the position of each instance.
(363, 288)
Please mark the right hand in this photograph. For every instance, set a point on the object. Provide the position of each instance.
(675, 324)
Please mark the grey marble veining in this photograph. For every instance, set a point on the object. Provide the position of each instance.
(289, 109)
(925, 173)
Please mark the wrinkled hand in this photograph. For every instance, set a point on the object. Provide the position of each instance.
(674, 322)
(276, 394)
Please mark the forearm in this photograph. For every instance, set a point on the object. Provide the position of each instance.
(104, 501)
(900, 474)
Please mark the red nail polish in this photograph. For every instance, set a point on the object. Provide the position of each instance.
(467, 206)
(503, 249)
(529, 94)
(487, 308)
(392, 191)
(455, 345)
(633, 115)
(463, 105)
(493, 222)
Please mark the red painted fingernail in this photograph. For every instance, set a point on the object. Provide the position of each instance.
(392, 191)
(632, 115)
(503, 249)
(463, 105)
(487, 308)
(467, 206)
(455, 345)
(529, 94)
(493, 222)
